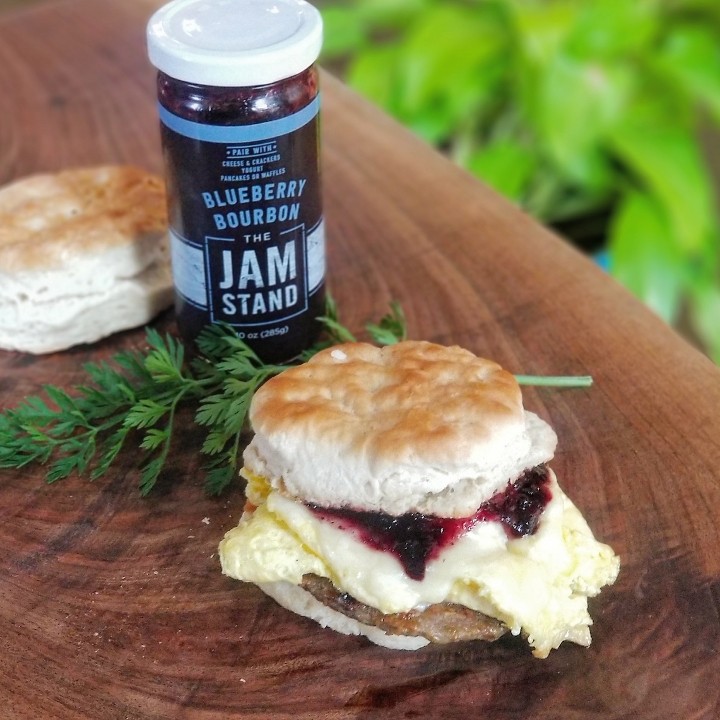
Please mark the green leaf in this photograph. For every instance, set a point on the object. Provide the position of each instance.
(63, 467)
(614, 28)
(216, 442)
(457, 42)
(391, 329)
(236, 413)
(36, 411)
(542, 29)
(150, 474)
(212, 410)
(374, 74)
(112, 447)
(332, 324)
(505, 165)
(644, 256)
(144, 413)
(449, 66)
(345, 31)
(705, 316)
(218, 478)
(665, 157)
(390, 14)
(578, 102)
(438, 69)
(165, 360)
(213, 341)
(690, 56)
(86, 453)
(236, 365)
(60, 397)
(132, 364)
(154, 438)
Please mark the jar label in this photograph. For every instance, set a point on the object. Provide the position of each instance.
(246, 227)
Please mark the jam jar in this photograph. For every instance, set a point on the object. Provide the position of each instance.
(238, 103)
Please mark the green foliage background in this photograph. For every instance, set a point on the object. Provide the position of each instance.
(587, 113)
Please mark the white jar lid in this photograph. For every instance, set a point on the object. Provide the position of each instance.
(234, 43)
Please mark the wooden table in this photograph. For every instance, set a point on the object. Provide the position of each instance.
(113, 607)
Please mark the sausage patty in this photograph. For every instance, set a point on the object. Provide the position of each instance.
(440, 623)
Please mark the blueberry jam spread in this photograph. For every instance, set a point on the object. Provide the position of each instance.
(416, 539)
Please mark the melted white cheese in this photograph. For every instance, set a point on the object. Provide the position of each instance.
(537, 585)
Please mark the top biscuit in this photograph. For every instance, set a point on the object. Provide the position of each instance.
(411, 427)
(48, 220)
(83, 254)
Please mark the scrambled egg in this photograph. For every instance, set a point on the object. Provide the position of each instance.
(537, 585)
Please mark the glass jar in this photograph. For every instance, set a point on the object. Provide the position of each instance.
(239, 110)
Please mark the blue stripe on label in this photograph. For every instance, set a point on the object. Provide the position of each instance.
(240, 133)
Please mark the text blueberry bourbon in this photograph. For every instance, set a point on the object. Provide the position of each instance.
(239, 111)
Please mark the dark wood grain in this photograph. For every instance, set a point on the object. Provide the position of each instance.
(114, 607)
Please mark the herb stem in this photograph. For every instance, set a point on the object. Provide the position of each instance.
(566, 381)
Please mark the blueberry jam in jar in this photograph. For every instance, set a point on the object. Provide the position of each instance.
(239, 106)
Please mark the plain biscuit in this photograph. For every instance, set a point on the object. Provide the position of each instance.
(83, 254)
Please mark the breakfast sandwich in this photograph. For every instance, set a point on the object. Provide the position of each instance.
(83, 254)
(403, 493)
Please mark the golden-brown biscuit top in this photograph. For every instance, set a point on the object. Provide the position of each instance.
(46, 220)
(410, 398)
